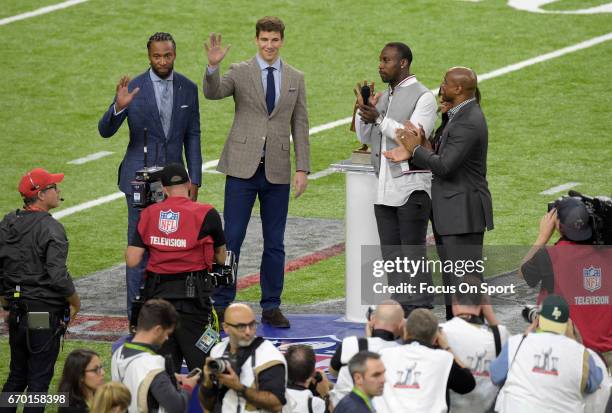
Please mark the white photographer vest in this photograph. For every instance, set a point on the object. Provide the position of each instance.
(416, 377)
(474, 345)
(266, 356)
(300, 399)
(596, 402)
(137, 373)
(350, 347)
(545, 376)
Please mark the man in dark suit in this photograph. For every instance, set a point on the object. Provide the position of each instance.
(461, 201)
(270, 106)
(166, 104)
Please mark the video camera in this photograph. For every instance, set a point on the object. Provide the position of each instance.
(147, 186)
(599, 209)
(224, 275)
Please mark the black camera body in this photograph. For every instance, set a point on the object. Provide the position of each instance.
(224, 275)
(599, 209)
(147, 187)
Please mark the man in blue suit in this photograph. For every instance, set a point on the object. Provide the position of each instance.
(166, 104)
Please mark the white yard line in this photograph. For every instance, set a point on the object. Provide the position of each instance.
(42, 10)
(321, 174)
(559, 188)
(499, 72)
(90, 158)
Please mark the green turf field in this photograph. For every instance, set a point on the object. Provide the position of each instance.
(548, 123)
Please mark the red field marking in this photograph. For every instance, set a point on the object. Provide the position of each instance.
(296, 264)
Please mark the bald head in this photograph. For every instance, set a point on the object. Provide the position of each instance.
(464, 77)
(237, 312)
(389, 316)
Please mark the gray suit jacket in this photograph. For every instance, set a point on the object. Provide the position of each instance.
(461, 200)
(253, 126)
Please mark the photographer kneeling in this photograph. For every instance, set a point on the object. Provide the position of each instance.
(243, 372)
(574, 268)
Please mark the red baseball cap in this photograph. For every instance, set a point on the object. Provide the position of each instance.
(36, 180)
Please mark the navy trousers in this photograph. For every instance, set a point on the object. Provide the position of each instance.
(240, 197)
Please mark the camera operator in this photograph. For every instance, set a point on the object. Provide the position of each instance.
(306, 382)
(35, 286)
(184, 239)
(573, 269)
(154, 387)
(544, 370)
(243, 372)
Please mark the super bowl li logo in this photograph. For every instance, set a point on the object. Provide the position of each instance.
(408, 378)
(544, 363)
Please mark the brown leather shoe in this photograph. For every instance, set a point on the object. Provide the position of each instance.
(275, 318)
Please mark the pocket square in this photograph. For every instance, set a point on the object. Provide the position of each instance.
(184, 106)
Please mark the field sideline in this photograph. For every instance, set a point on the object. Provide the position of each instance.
(548, 122)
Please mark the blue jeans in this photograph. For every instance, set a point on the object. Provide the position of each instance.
(133, 276)
(240, 196)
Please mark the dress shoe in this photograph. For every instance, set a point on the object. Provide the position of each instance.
(275, 318)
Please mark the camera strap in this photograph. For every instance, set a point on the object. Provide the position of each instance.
(497, 339)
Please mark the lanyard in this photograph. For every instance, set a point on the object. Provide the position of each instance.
(364, 397)
(139, 347)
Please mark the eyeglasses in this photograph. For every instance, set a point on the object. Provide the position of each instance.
(97, 369)
(242, 326)
(52, 186)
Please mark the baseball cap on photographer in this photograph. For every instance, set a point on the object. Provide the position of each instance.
(574, 219)
(174, 174)
(36, 180)
(554, 314)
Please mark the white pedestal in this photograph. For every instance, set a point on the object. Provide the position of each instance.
(361, 229)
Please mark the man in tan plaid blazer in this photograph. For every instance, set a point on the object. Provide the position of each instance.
(270, 107)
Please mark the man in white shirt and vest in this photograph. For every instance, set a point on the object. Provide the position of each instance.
(384, 327)
(244, 372)
(476, 344)
(403, 195)
(420, 372)
(545, 370)
(136, 364)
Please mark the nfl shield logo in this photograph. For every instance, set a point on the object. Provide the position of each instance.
(168, 221)
(592, 278)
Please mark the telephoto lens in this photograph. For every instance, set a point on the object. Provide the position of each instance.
(529, 313)
(218, 365)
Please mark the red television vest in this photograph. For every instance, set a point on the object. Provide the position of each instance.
(582, 275)
(170, 231)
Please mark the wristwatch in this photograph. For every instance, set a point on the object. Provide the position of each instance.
(242, 391)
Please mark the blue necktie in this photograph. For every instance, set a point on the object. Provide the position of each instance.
(165, 112)
(270, 90)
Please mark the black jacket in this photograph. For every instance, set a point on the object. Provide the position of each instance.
(33, 252)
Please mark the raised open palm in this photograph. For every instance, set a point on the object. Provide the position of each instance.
(215, 52)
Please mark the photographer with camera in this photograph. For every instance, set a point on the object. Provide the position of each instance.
(138, 365)
(243, 372)
(384, 326)
(184, 240)
(35, 286)
(544, 369)
(574, 268)
(307, 389)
